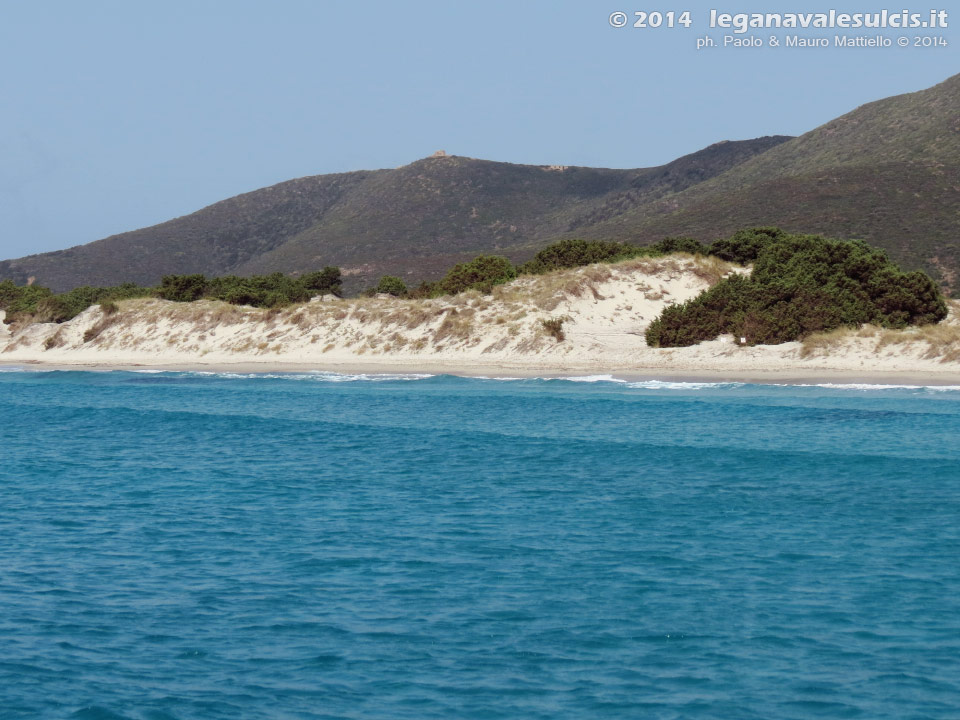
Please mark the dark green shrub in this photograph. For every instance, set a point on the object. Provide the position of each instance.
(671, 245)
(324, 282)
(17, 300)
(744, 246)
(264, 291)
(9, 293)
(41, 305)
(392, 285)
(801, 284)
(182, 288)
(267, 291)
(576, 253)
(481, 273)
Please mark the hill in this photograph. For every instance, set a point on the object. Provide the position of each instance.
(415, 221)
(887, 173)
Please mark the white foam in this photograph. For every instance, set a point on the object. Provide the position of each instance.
(313, 375)
(590, 378)
(666, 385)
(870, 386)
(366, 377)
(19, 369)
(501, 379)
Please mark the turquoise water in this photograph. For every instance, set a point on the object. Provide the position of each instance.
(181, 545)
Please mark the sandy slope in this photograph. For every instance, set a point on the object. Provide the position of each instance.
(604, 308)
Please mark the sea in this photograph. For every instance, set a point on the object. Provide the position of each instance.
(182, 545)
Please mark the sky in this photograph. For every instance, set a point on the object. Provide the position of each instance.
(120, 115)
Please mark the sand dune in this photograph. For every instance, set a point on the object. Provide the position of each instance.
(600, 311)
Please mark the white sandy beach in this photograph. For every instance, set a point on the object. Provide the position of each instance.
(604, 310)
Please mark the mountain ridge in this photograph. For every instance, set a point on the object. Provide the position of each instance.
(415, 220)
(887, 172)
(884, 172)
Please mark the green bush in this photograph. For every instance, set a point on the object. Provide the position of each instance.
(392, 285)
(108, 307)
(17, 300)
(323, 282)
(481, 273)
(800, 284)
(267, 291)
(264, 291)
(671, 245)
(41, 305)
(182, 288)
(576, 253)
(744, 246)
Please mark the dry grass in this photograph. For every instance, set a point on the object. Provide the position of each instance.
(456, 325)
(94, 332)
(54, 341)
(821, 343)
(411, 314)
(547, 292)
(508, 317)
(498, 345)
(554, 327)
(941, 341)
(711, 269)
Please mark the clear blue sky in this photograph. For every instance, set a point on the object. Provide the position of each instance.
(118, 115)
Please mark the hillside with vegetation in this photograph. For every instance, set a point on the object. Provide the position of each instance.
(414, 221)
(887, 173)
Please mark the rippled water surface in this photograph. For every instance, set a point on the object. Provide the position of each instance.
(180, 545)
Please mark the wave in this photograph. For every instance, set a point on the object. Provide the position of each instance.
(326, 376)
(876, 386)
(667, 385)
(313, 375)
(718, 385)
(640, 384)
(589, 378)
(20, 369)
(504, 378)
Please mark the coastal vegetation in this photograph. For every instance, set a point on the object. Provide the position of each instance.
(392, 285)
(800, 285)
(265, 291)
(554, 328)
(39, 304)
(481, 274)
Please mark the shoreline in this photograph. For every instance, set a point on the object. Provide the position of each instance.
(784, 376)
(578, 323)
